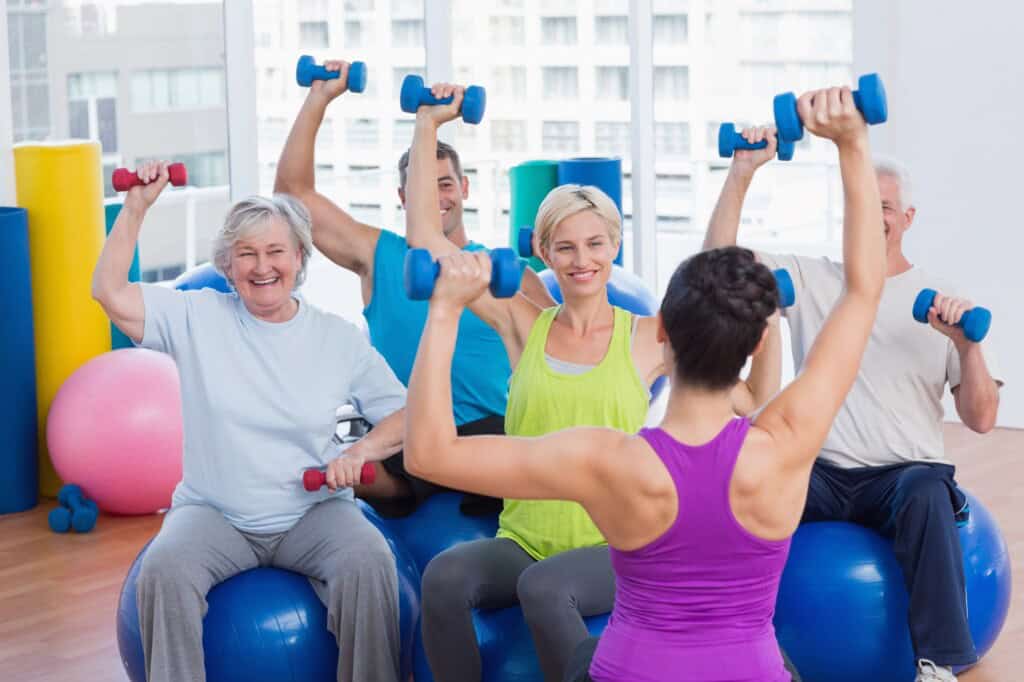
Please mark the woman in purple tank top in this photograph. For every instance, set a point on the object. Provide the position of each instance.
(699, 511)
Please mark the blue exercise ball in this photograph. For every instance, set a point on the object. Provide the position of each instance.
(267, 625)
(203, 276)
(626, 291)
(841, 614)
(436, 525)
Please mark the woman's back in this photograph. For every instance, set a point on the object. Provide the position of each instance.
(697, 602)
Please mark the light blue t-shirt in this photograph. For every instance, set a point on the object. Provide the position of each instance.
(259, 400)
(480, 368)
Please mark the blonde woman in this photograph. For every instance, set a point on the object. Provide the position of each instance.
(583, 363)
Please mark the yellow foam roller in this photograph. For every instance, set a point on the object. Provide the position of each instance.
(61, 187)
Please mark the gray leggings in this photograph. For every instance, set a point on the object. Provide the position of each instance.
(347, 559)
(555, 595)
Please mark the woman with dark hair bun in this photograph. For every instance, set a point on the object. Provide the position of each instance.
(698, 512)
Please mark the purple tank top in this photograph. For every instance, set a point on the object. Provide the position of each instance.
(696, 604)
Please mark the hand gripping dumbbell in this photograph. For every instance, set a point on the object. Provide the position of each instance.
(869, 98)
(421, 271)
(416, 94)
(307, 71)
(975, 322)
(729, 141)
(75, 511)
(124, 179)
(314, 479)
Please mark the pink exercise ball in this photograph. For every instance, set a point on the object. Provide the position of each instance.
(114, 428)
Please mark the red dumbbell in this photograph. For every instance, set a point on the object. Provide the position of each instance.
(314, 479)
(124, 179)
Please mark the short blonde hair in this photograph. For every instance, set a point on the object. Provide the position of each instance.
(568, 200)
(252, 214)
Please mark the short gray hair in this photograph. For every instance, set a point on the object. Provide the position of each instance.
(895, 169)
(251, 214)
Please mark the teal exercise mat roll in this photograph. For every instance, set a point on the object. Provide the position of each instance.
(119, 339)
(19, 459)
(530, 182)
(601, 172)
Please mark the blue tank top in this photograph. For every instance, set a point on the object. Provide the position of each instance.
(696, 603)
(480, 368)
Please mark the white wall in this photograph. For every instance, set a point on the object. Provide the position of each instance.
(953, 73)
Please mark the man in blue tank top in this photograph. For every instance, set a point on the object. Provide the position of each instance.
(480, 370)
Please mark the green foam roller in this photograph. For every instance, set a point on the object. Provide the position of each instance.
(119, 339)
(530, 182)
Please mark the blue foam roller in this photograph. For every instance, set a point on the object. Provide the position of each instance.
(603, 173)
(203, 276)
(118, 339)
(19, 428)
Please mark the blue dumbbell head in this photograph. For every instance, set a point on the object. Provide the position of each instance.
(84, 518)
(525, 242)
(68, 493)
(474, 104)
(420, 273)
(506, 273)
(975, 322)
(869, 97)
(787, 294)
(871, 100)
(307, 71)
(60, 520)
(729, 140)
(412, 93)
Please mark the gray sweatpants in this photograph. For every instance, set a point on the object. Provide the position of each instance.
(347, 559)
(555, 595)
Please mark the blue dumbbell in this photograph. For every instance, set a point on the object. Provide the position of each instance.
(869, 98)
(975, 322)
(729, 141)
(75, 511)
(416, 94)
(524, 245)
(307, 71)
(787, 294)
(421, 271)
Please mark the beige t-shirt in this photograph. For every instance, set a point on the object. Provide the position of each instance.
(893, 414)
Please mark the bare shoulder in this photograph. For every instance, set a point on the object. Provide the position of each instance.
(757, 460)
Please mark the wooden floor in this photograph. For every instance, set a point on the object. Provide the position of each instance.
(58, 593)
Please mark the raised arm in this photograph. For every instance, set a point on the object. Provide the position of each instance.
(339, 236)
(765, 376)
(725, 219)
(511, 317)
(569, 465)
(120, 299)
(800, 417)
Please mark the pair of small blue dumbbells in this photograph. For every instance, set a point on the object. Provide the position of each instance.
(414, 92)
(869, 97)
(75, 511)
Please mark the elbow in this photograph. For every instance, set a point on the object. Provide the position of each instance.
(982, 423)
(416, 458)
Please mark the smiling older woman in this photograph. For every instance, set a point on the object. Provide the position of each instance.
(262, 374)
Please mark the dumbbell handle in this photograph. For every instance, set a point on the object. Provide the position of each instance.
(975, 322)
(314, 479)
(729, 140)
(124, 179)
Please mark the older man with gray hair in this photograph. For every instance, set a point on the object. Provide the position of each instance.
(883, 464)
(262, 374)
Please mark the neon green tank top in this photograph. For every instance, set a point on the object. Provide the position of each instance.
(540, 401)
